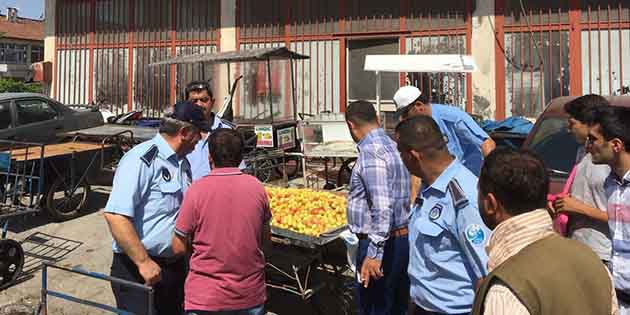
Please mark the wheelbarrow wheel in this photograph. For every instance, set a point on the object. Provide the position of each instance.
(11, 262)
(65, 203)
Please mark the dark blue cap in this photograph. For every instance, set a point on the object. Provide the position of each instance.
(192, 114)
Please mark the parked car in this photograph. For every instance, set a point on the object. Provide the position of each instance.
(34, 117)
(551, 140)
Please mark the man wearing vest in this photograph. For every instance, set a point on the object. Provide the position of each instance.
(446, 234)
(532, 269)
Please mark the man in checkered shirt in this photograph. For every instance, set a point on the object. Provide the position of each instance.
(378, 213)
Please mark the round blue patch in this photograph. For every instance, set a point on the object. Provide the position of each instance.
(435, 212)
(475, 234)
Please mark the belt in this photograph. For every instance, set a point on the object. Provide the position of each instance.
(401, 231)
(623, 296)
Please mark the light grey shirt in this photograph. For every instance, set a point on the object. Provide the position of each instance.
(588, 187)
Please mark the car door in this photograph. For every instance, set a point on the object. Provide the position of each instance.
(37, 120)
(7, 132)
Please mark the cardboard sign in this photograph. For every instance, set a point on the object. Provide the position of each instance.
(264, 134)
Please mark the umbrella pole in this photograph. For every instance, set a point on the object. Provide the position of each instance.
(269, 88)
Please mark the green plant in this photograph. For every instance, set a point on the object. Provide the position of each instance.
(12, 85)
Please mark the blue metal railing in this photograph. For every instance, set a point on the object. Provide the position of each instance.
(46, 292)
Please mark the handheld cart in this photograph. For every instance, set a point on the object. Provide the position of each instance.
(314, 267)
(36, 176)
(265, 112)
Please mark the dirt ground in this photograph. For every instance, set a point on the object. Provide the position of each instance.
(85, 243)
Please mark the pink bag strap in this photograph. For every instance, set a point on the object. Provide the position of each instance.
(569, 182)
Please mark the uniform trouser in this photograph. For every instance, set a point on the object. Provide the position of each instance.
(420, 311)
(168, 293)
(388, 295)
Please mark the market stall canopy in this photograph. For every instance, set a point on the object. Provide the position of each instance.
(261, 54)
(420, 63)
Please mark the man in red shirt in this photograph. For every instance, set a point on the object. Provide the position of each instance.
(225, 217)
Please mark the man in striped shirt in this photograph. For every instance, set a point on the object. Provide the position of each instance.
(609, 143)
(378, 213)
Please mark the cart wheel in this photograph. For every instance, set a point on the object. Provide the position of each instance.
(11, 262)
(343, 177)
(62, 203)
(264, 170)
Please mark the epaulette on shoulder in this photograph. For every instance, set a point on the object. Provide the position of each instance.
(457, 193)
(228, 124)
(149, 156)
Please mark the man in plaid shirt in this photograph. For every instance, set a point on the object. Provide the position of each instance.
(378, 213)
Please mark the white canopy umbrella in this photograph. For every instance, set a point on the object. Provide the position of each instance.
(416, 63)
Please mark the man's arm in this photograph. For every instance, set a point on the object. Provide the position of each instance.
(266, 237)
(186, 223)
(572, 205)
(127, 239)
(487, 146)
(130, 185)
(376, 181)
(468, 131)
(180, 244)
(473, 236)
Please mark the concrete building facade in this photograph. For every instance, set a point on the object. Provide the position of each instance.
(527, 52)
(21, 44)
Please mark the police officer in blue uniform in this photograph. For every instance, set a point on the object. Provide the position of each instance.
(465, 139)
(198, 92)
(148, 188)
(447, 236)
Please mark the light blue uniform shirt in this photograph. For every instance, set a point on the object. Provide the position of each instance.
(447, 240)
(148, 188)
(464, 135)
(198, 158)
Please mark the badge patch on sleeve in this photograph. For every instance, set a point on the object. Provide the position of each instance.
(475, 234)
(435, 212)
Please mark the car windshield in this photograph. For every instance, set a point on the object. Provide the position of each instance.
(555, 145)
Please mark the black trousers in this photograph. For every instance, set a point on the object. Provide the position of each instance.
(420, 311)
(168, 293)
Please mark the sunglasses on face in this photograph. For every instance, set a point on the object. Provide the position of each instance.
(201, 99)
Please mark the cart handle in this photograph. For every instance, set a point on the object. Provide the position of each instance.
(46, 292)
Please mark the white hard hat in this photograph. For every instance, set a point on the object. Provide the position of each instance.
(404, 97)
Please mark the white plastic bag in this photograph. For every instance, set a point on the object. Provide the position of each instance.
(352, 246)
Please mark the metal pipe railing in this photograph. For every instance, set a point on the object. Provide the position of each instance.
(45, 292)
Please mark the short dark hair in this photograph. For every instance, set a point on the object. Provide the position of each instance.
(518, 180)
(581, 107)
(614, 122)
(171, 127)
(361, 112)
(198, 86)
(422, 99)
(420, 133)
(226, 147)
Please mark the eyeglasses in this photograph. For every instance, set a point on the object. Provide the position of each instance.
(202, 99)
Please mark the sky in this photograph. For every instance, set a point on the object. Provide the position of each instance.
(26, 8)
